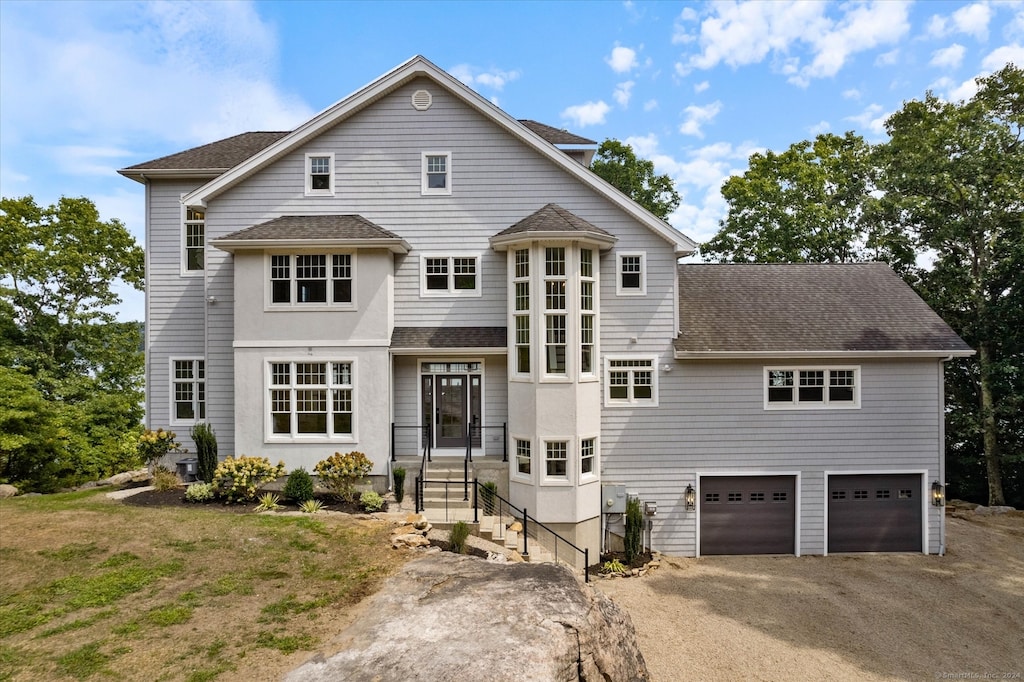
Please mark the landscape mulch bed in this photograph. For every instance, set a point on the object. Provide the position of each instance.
(176, 498)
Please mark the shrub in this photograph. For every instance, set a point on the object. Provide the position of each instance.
(340, 473)
(269, 502)
(153, 445)
(398, 478)
(634, 529)
(165, 479)
(488, 492)
(299, 486)
(240, 478)
(371, 501)
(614, 566)
(206, 451)
(311, 506)
(199, 492)
(457, 537)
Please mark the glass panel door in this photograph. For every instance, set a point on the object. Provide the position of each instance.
(451, 406)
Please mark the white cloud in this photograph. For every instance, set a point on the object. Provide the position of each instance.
(495, 79)
(746, 33)
(819, 128)
(972, 20)
(623, 91)
(645, 146)
(962, 92)
(622, 59)
(1004, 55)
(590, 113)
(86, 160)
(949, 57)
(681, 33)
(650, 105)
(695, 117)
(701, 87)
(888, 58)
(871, 121)
(851, 93)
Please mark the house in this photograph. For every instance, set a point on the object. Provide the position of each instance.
(413, 268)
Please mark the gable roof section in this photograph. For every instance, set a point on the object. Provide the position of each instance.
(806, 310)
(417, 339)
(555, 135)
(316, 230)
(552, 222)
(208, 159)
(421, 67)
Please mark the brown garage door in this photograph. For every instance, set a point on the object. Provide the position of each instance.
(874, 513)
(747, 515)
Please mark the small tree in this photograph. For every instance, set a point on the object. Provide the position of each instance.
(398, 477)
(299, 486)
(206, 450)
(634, 529)
(340, 473)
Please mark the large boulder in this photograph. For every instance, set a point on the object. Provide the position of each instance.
(455, 617)
(7, 490)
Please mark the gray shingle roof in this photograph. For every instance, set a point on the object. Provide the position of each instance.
(293, 227)
(448, 337)
(552, 218)
(805, 307)
(554, 135)
(221, 154)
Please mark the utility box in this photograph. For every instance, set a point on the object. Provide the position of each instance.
(613, 498)
(188, 469)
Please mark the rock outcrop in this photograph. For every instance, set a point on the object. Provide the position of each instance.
(7, 490)
(452, 617)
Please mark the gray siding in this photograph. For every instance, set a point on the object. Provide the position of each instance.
(712, 419)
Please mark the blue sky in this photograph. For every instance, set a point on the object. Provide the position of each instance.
(89, 87)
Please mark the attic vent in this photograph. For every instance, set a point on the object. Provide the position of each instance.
(421, 100)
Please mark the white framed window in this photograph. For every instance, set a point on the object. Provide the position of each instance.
(188, 391)
(556, 460)
(436, 173)
(193, 241)
(555, 311)
(631, 380)
(588, 459)
(524, 460)
(320, 174)
(787, 388)
(310, 400)
(631, 274)
(444, 275)
(521, 307)
(588, 285)
(311, 280)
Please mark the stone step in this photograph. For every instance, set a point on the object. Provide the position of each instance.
(512, 539)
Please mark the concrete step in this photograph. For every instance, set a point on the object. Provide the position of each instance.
(512, 540)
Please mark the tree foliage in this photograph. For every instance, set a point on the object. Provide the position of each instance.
(617, 163)
(946, 188)
(77, 369)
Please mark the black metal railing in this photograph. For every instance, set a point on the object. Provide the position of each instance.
(399, 441)
(493, 504)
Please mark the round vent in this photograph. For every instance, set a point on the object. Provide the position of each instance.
(421, 100)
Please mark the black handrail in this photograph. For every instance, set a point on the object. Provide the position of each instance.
(526, 519)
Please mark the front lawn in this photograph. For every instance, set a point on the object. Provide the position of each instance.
(94, 588)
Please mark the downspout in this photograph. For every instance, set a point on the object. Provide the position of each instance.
(942, 450)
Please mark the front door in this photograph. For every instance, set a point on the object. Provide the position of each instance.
(450, 407)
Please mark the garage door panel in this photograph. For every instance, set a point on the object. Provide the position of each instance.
(748, 515)
(874, 513)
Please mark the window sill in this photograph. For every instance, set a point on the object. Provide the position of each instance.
(302, 307)
(780, 407)
(310, 439)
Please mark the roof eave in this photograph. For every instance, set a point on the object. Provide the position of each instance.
(142, 175)
(798, 354)
(440, 352)
(502, 242)
(399, 246)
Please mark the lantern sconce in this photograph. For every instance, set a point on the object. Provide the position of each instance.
(691, 498)
(938, 494)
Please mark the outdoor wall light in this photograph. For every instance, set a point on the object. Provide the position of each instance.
(690, 497)
(938, 494)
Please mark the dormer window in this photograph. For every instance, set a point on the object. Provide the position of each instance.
(319, 174)
(436, 173)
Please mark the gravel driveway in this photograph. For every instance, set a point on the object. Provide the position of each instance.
(852, 617)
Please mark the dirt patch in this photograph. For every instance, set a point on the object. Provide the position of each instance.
(863, 617)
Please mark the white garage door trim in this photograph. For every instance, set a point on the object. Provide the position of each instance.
(925, 496)
(796, 474)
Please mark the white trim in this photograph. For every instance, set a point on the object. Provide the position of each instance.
(308, 175)
(623, 291)
(268, 430)
(427, 191)
(570, 468)
(395, 245)
(416, 67)
(305, 343)
(451, 291)
(183, 246)
(817, 354)
(631, 401)
(293, 305)
(172, 419)
(797, 501)
(511, 280)
(582, 478)
(514, 469)
(925, 501)
(825, 404)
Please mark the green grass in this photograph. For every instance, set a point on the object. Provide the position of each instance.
(165, 616)
(83, 662)
(286, 644)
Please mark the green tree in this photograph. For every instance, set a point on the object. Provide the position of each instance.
(953, 181)
(60, 267)
(617, 163)
(806, 204)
